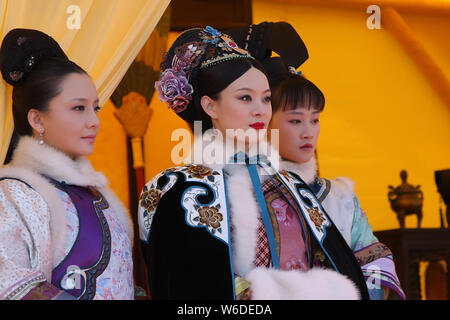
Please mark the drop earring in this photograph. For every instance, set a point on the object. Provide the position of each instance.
(41, 140)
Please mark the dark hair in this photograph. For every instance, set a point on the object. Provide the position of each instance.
(36, 66)
(294, 92)
(38, 89)
(211, 81)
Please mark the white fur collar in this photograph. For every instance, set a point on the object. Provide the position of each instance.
(245, 210)
(203, 146)
(244, 213)
(43, 159)
(242, 202)
(46, 160)
(314, 284)
(307, 171)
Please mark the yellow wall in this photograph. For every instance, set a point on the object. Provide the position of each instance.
(157, 141)
(110, 153)
(381, 115)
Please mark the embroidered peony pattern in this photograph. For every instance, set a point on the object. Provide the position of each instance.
(308, 202)
(149, 199)
(316, 217)
(210, 216)
(202, 182)
(199, 172)
(151, 196)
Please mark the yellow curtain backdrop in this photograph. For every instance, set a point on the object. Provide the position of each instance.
(110, 35)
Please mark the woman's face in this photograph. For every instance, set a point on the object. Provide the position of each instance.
(298, 132)
(244, 104)
(70, 123)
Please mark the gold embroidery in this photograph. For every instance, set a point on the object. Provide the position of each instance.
(210, 216)
(316, 217)
(149, 199)
(199, 172)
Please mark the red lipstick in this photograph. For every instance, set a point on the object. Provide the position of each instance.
(257, 125)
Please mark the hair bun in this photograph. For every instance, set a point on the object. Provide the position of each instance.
(276, 69)
(194, 50)
(22, 50)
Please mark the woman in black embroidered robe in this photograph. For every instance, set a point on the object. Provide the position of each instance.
(201, 224)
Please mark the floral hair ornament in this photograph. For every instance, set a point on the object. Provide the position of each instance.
(173, 87)
(208, 48)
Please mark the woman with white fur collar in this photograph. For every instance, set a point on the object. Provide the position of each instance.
(297, 104)
(64, 235)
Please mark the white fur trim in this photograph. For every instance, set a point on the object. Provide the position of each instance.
(44, 159)
(244, 209)
(30, 160)
(205, 144)
(315, 284)
(307, 171)
(244, 217)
